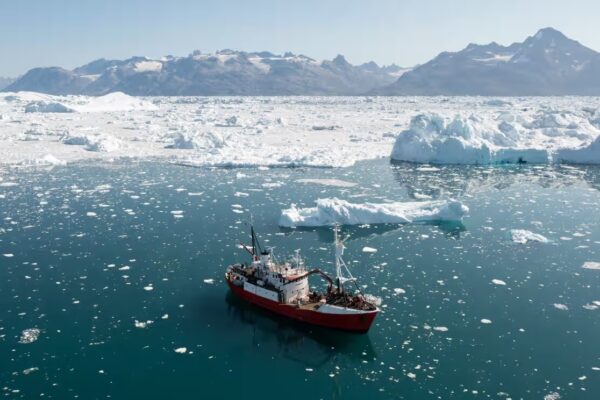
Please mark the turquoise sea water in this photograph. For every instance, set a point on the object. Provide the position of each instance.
(88, 250)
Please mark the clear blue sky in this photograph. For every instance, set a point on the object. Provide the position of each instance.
(70, 33)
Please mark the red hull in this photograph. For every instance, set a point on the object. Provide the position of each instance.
(347, 322)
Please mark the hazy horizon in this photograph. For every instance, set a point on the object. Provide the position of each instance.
(69, 34)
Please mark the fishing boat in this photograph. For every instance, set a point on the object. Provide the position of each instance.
(283, 288)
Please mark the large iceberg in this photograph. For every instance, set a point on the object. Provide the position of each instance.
(546, 137)
(332, 211)
(589, 154)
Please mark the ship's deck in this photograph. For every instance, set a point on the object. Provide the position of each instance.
(308, 306)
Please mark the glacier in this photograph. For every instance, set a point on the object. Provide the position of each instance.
(330, 211)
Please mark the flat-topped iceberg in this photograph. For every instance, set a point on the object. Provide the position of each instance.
(116, 101)
(332, 211)
(548, 136)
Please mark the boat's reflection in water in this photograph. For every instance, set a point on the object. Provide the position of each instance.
(309, 345)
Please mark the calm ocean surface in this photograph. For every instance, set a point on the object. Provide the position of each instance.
(113, 268)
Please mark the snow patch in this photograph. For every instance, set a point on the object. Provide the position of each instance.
(148, 66)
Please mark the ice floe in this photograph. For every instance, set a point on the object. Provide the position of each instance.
(562, 307)
(591, 265)
(181, 350)
(330, 211)
(552, 396)
(523, 236)
(28, 371)
(327, 182)
(142, 324)
(29, 335)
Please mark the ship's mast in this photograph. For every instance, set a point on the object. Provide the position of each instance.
(256, 250)
(339, 251)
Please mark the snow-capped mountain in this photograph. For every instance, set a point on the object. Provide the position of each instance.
(547, 63)
(227, 72)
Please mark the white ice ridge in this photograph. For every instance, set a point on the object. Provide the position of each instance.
(280, 131)
(505, 137)
(116, 101)
(335, 211)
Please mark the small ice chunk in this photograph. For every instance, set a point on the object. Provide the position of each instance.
(327, 182)
(367, 249)
(552, 396)
(148, 288)
(440, 328)
(498, 282)
(142, 324)
(181, 350)
(209, 281)
(29, 335)
(8, 255)
(177, 213)
(486, 321)
(91, 214)
(30, 370)
(522, 236)
(399, 291)
(562, 307)
(591, 265)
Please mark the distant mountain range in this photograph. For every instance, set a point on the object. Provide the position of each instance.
(547, 63)
(227, 72)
